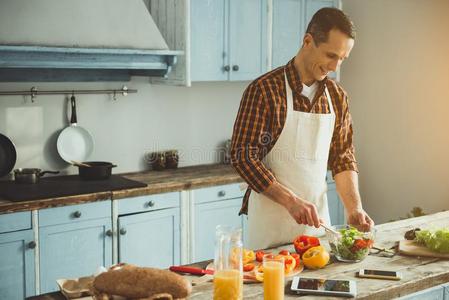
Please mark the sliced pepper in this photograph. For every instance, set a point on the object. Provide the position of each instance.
(304, 242)
(248, 256)
(297, 257)
(315, 258)
(248, 267)
(259, 256)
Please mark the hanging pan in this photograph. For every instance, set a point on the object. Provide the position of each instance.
(74, 143)
(8, 155)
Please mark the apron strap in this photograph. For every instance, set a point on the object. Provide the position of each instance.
(329, 101)
(289, 94)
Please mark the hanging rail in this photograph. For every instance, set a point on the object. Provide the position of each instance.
(34, 92)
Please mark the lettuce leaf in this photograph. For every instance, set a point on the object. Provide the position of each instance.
(437, 240)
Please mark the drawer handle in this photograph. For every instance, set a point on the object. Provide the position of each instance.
(221, 193)
(150, 203)
(77, 214)
(227, 68)
(109, 232)
(32, 245)
(235, 68)
(122, 231)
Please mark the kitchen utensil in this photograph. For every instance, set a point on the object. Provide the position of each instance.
(30, 175)
(199, 271)
(412, 248)
(8, 155)
(74, 143)
(75, 163)
(330, 229)
(96, 170)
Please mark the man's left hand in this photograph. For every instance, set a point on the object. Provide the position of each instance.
(360, 219)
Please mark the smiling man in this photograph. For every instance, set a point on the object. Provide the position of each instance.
(292, 126)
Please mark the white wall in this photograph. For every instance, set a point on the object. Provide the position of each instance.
(398, 77)
(193, 120)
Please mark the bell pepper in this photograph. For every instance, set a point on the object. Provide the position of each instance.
(315, 257)
(297, 257)
(304, 242)
(289, 263)
(284, 252)
(248, 256)
(248, 267)
(259, 255)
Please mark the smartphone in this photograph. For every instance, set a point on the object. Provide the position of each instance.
(326, 287)
(380, 274)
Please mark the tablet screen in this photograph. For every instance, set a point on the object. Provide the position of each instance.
(324, 285)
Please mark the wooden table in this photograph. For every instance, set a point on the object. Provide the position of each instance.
(419, 273)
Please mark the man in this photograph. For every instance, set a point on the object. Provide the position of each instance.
(293, 124)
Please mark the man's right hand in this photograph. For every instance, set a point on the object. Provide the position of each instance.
(303, 211)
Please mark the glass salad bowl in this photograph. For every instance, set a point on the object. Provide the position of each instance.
(350, 245)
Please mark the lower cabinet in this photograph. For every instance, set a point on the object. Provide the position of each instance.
(336, 208)
(17, 271)
(74, 241)
(150, 239)
(435, 293)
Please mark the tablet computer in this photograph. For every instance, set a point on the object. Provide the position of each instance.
(328, 287)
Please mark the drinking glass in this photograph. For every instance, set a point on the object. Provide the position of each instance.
(273, 277)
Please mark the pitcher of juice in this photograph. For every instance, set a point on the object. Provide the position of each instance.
(228, 274)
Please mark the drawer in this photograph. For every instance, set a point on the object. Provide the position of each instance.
(219, 192)
(15, 221)
(148, 203)
(74, 213)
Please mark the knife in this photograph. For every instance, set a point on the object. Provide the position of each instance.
(191, 270)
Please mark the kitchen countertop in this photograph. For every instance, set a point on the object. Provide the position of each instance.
(186, 178)
(418, 273)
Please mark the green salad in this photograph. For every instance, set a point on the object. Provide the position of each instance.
(352, 245)
(437, 240)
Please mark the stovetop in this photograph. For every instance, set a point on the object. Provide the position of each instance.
(61, 186)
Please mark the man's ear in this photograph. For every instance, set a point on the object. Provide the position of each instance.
(307, 40)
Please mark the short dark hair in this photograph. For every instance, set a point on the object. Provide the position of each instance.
(326, 19)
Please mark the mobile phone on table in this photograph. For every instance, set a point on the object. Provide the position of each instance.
(325, 287)
(379, 274)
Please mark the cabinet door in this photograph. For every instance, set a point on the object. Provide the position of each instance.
(208, 40)
(207, 217)
(288, 30)
(247, 39)
(435, 293)
(73, 250)
(17, 265)
(150, 239)
(336, 208)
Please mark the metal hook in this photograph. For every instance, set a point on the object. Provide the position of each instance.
(33, 93)
(115, 95)
(125, 90)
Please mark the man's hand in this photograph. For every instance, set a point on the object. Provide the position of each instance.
(360, 219)
(304, 212)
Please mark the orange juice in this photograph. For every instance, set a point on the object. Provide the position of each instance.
(228, 285)
(273, 280)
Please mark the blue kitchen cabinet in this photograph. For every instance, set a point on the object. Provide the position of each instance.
(17, 253)
(336, 208)
(74, 241)
(290, 20)
(149, 230)
(228, 39)
(435, 293)
(218, 205)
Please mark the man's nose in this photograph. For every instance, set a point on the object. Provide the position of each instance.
(333, 65)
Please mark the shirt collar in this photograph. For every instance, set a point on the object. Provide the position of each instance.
(294, 79)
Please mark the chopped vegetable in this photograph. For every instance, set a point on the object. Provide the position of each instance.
(248, 256)
(352, 245)
(284, 252)
(248, 267)
(315, 258)
(259, 255)
(437, 240)
(304, 242)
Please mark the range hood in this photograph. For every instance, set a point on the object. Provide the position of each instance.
(80, 40)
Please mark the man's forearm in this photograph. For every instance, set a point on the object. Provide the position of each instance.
(280, 194)
(347, 183)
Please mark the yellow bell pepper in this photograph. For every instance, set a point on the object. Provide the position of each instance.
(315, 257)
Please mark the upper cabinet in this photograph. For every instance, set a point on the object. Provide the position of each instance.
(290, 19)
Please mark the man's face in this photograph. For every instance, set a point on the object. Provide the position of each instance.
(328, 56)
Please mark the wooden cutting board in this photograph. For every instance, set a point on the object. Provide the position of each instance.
(407, 247)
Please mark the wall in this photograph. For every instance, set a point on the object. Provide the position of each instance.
(397, 78)
(195, 120)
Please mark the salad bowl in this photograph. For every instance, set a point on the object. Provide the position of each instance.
(350, 245)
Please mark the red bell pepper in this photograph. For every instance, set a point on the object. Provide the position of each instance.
(304, 242)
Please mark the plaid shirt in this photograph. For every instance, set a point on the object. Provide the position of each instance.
(262, 115)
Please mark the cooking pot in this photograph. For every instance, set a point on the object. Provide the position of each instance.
(95, 170)
(30, 175)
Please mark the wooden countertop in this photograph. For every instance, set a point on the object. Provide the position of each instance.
(158, 182)
(418, 273)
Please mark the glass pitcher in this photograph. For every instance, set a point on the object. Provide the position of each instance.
(228, 266)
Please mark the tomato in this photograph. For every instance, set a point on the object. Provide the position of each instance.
(284, 252)
(296, 256)
(315, 258)
(304, 242)
(259, 256)
(248, 267)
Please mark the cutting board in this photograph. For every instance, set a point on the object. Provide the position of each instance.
(407, 247)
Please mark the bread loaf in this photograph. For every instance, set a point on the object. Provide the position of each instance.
(141, 283)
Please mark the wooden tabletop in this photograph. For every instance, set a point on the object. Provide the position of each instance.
(158, 182)
(418, 273)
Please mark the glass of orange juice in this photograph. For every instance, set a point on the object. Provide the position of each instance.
(228, 274)
(273, 277)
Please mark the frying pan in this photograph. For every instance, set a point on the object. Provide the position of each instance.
(8, 155)
(74, 143)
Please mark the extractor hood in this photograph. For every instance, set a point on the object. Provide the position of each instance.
(80, 40)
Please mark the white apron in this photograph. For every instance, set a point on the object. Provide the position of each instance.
(299, 162)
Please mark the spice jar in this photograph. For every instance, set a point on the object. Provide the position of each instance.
(158, 161)
(171, 159)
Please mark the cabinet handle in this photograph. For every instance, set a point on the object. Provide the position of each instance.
(109, 232)
(221, 193)
(235, 68)
(122, 231)
(150, 203)
(32, 245)
(227, 68)
(77, 214)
